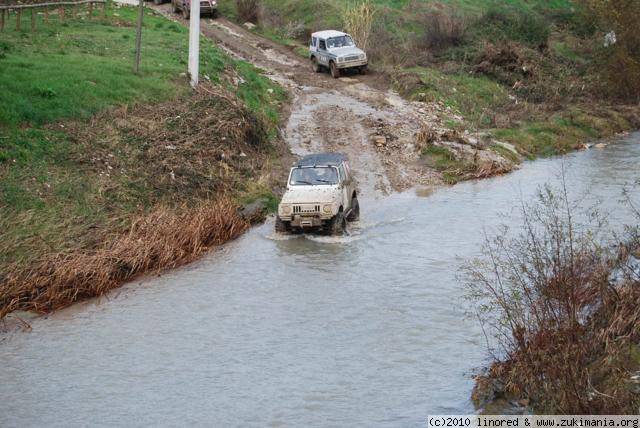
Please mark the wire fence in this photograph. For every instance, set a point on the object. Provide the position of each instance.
(58, 8)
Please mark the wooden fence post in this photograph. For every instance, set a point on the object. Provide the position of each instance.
(46, 15)
(33, 20)
(90, 10)
(61, 14)
(104, 9)
(18, 18)
(2, 20)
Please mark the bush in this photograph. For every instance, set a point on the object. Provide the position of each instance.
(358, 20)
(248, 10)
(443, 29)
(620, 60)
(563, 308)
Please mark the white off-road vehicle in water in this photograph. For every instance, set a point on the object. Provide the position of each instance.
(336, 51)
(321, 195)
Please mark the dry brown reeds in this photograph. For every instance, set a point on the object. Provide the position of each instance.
(163, 239)
(358, 20)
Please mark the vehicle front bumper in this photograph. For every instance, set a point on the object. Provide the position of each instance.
(307, 221)
(351, 64)
(207, 9)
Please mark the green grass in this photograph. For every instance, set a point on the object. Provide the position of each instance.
(443, 160)
(80, 67)
(475, 97)
(561, 133)
(51, 195)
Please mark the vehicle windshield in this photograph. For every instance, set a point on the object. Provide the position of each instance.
(339, 42)
(313, 176)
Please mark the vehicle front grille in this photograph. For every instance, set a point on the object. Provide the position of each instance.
(306, 209)
(352, 58)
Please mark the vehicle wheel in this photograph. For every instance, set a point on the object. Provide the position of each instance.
(176, 9)
(338, 224)
(335, 71)
(158, 2)
(354, 214)
(315, 65)
(364, 69)
(185, 12)
(214, 14)
(282, 226)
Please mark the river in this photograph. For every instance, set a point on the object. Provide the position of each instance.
(365, 330)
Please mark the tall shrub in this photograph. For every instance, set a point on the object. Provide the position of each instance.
(358, 20)
(563, 309)
(248, 10)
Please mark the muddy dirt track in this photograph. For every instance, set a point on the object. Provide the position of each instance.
(356, 114)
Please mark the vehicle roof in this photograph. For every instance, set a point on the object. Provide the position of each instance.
(322, 159)
(328, 34)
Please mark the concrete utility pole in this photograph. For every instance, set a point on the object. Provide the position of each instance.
(136, 67)
(194, 42)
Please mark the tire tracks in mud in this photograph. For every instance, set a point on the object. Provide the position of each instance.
(355, 115)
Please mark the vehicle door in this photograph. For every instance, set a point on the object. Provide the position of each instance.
(313, 46)
(323, 55)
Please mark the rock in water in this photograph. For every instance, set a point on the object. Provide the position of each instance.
(256, 211)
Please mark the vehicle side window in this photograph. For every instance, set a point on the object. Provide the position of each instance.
(323, 45)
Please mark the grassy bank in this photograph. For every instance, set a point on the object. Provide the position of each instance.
(527, 73)
(92, 155)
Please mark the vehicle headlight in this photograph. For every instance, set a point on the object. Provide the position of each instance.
(362, 56)
(286, 209)
(340, 59)
(327, 209)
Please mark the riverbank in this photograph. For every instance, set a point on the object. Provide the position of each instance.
(106, 175)
(560, 302)
(526, 76)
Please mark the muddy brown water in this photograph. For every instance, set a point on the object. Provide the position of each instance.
(365, 330)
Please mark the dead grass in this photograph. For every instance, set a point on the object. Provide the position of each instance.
(164, 239)
(160, 180)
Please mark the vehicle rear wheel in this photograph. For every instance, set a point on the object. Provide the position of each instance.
(315, 65)
(185, 12)
(282, 226)
(335, 71)
(354, 214)
(338, 224)
(364, 69)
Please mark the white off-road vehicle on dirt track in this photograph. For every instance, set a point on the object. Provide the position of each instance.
(321, 195)
(336, 51)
